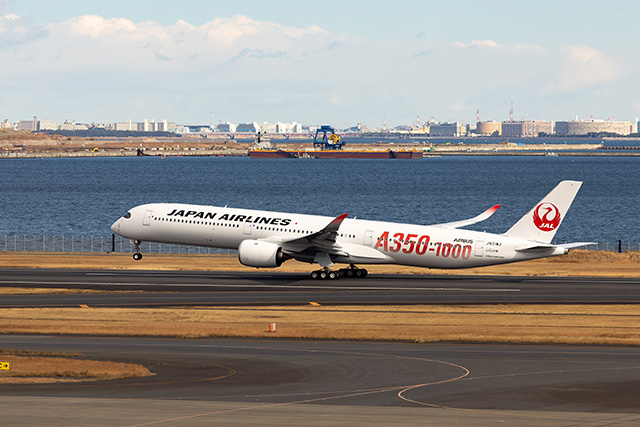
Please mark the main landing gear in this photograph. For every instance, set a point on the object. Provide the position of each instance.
(137, 255)
(350, 273)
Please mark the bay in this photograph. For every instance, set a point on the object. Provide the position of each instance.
(83, 197)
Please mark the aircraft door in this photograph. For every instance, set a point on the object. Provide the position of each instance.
(146, 220)
(479, 248)
(247, 228)
(368, 238)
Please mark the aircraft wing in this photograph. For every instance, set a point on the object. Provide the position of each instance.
(323, 237)
(456, 224)
(320, 242)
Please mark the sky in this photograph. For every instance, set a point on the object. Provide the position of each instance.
(318, 62)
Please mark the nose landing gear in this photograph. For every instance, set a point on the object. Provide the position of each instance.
(137, 255)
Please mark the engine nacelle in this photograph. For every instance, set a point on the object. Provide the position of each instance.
(257, 253)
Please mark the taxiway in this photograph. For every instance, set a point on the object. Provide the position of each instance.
(314, 383)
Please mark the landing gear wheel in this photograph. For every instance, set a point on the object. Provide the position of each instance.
(137, 255)
(325, 274)
(353, 272)
(361, 273)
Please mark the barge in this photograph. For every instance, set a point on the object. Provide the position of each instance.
(326, 145)
(335, 154)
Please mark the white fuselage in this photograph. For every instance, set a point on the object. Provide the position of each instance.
(362, 241)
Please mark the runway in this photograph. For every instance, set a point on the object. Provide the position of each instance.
(183, 288)
(284, 382)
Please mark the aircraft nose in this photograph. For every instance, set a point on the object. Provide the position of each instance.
(116, 227)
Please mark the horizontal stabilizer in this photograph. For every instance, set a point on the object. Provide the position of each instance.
(577, 244)
(536, 248)
(456, 224)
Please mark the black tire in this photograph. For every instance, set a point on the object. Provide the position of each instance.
(323, 275)
(315, 275)
(333, 275)
(137, 256)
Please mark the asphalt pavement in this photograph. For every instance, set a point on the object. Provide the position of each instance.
(184, 288)
(288, 382)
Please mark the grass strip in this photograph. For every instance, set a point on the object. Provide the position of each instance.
(549, 324)
(576, 263)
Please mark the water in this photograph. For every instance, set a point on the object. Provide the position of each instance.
(83, 197)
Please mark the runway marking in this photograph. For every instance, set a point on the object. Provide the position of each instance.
(298, 402)
(518, 374)
(348, 394)
(528, 279)
(297, 287)
(344, 394)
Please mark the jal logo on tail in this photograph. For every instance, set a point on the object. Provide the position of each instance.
(546, 216)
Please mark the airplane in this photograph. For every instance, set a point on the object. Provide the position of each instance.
(266, 239)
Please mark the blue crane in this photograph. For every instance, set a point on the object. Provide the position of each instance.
(327, 139)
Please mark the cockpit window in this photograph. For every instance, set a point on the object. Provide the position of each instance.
(127, 215)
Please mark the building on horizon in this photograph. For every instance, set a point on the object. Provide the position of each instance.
(489, 128)
(248, 127)
(447, 129)
(28, 125)
(48, 125)
(526, 128)
(226, 127)
(586, 127)
(73, 126)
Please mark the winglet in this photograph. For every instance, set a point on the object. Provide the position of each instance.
(335, 224)
(484, 215)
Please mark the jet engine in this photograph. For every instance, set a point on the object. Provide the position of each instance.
(257, 253)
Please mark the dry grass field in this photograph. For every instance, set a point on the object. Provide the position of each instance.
(47, 368)
(550, 324)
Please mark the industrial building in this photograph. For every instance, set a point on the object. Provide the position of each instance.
(526, 128)
(489, 128)
(447, 129)
(586, 127)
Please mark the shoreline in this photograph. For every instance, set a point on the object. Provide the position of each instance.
(244, 153)
(55, 146)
